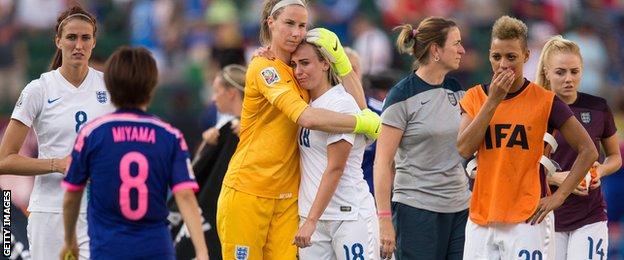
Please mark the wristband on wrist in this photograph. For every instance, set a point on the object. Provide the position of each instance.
(384, 214)
(361, 123)
(343, 68)
(367, 123)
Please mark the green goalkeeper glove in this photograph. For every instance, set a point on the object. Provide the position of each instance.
(368, 123)
(331, 48)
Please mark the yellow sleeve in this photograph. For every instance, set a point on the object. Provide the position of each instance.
(280, 89)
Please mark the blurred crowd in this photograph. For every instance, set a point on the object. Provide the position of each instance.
(193, 39)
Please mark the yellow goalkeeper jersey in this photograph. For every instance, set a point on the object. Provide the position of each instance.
(266, 161)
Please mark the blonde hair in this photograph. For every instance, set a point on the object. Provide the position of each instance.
(416, 42)
(267, 10)
(332, 76)
(509, 28)
(233, 76)
(556, 44)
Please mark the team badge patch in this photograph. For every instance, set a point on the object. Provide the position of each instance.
(101, 96)
(270, 75)
(241, 252)
(585, 117)
(20, 100)
(452, 98)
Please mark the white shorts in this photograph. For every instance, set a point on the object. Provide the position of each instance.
(46, 235)
(344, 239)
(511, 241)
(587, 242)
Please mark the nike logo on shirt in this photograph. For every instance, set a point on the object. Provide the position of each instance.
(424, 102)
(50, 101)
(336, 46)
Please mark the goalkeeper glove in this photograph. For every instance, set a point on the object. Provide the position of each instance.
(331, 48)
(368, 123)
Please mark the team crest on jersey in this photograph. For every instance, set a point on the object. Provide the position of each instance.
(270, 75)
(585, 117)
(101, 96)
(20, 100)
(452, 98)
(241, 252)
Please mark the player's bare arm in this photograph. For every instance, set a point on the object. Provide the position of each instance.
(337, 155)
(185, 199)
(472, 131)
(353, 86)
(579, 140)
(383, 176)
(326, 120)
(612, 161)
(71, 209)
(365, 122)
(11, 162)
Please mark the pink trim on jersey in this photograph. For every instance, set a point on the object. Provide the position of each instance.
(69, 161)
(183, 145)
(89, 127)
(185, 185)
(72, 187)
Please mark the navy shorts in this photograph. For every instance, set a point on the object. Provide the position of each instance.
(424, 234)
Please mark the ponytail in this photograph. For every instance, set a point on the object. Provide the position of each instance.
(57, 60)
(417, 41)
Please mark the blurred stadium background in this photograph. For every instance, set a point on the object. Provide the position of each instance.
(193, 39)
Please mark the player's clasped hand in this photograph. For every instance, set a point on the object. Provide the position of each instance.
(595, 182)
(558, 178)
(236, 126)
(69, 251)
(303, 238)
(331, 48)
(545, 206)
(387, 237)
(263, 52)
(211, 136)
(500, 85)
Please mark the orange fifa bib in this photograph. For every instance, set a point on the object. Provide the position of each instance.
(508, 185)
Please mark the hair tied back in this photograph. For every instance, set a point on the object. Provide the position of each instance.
(414, 33)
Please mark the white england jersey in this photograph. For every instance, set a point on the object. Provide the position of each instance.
(352, 195)
(56, 110)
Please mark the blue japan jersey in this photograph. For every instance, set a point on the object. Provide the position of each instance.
(131, 160)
